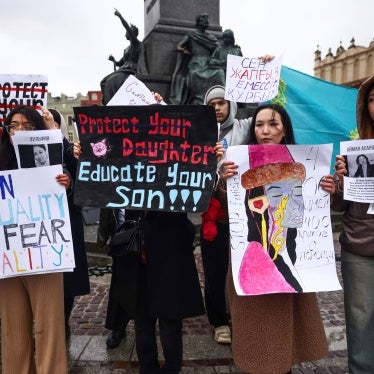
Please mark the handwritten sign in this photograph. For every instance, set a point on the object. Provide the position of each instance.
(249, 80)
(133, 92)
(21, 89)
(280, 224)
(153, 157)
(35, 233)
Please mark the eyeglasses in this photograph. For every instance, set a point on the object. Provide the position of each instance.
(16, 126)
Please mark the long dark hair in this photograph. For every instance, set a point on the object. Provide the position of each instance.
(8, 159)
(286, 120)
(365, 157)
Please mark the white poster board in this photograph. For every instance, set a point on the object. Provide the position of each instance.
(36, 149)
(250, 80)
(35, 232)
(133, 92)
(359, 182)
(22, 89)
(281, 235)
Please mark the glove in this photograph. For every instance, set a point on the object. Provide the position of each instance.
(209, 218)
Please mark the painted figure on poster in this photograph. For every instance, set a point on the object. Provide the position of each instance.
(275, 209)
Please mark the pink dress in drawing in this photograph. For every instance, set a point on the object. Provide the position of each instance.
(254, 282)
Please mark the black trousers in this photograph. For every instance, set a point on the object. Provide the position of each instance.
(171, 342)
(116, 317)
(215, 256)
(145, 336)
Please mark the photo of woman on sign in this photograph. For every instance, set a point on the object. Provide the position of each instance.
(41, 156)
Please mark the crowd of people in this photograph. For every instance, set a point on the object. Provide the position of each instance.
(160, 287)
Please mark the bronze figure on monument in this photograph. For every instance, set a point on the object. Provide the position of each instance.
(192, 75)
(131, 62)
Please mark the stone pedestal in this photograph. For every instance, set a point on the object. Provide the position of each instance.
(165, 24)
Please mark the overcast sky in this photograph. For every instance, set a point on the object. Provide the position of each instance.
(70, 40)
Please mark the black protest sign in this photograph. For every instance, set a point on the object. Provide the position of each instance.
(153, 157)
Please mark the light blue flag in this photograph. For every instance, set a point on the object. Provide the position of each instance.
(321, 112)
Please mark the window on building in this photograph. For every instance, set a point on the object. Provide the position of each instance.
(345, 73)
(370, 65)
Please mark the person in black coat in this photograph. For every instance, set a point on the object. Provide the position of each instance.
(116, 317)
(161, 285)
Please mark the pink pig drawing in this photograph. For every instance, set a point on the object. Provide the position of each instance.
(100, 148)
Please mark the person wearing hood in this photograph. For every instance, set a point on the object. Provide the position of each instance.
(215, 224)
(357, 250)
(60, 123)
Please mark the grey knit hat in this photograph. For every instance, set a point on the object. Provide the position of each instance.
(214, 92)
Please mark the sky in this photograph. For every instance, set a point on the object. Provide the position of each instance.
(70, 40)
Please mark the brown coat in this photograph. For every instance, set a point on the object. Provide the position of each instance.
(357, 233)
(273, 332)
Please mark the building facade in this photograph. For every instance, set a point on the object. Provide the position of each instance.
(348, 67)
(65, 104)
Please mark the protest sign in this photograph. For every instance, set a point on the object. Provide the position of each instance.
(133, 92)
(280, 226)
(359, 182)
(153, 157)
(22, 89)
(250, 80)
(35, 233)
(42, 148)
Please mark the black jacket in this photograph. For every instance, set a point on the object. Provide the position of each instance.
(171, 282)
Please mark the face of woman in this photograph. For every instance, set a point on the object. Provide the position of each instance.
(19, 122)
(40, 155)
(371, 104)
(362, 160)
(286, 200)
(269, 128)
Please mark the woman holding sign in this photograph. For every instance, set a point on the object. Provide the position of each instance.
(272, 332)
(159, 285)
(31, 306)
(356, 240)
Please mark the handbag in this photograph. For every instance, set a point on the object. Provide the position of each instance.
(126, 240)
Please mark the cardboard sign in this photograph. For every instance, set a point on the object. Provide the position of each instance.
(152, 157)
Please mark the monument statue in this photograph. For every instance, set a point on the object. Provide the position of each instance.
(219, 57)
(192, 76)
(131, 62)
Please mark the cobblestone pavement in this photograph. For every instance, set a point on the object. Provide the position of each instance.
(87, 352)
(88, 318)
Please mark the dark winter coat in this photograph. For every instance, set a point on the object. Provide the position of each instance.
(173, 286)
